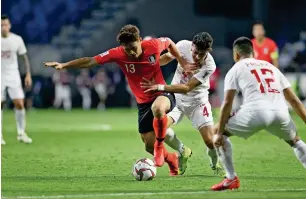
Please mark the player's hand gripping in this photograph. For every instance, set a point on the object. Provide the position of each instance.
(56, 65)
(149, 85)
(28, 81)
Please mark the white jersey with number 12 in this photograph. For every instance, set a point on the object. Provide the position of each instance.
(260, 83)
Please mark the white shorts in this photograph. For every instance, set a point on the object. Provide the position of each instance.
(101, 90)
(198, 113)
(14, 88)
(245, 123)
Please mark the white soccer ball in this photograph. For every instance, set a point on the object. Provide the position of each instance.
(144, 169)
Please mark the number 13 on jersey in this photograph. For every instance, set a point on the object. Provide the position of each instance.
(263, 81)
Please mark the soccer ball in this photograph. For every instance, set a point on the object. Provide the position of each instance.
(144, 169)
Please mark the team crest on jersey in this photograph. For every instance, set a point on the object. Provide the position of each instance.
(266, 50)
(105, 53)
(152, 59)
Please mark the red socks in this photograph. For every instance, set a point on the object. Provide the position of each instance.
(160, 128)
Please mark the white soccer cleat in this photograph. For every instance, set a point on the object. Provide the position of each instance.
(3, 142)
(24, 138)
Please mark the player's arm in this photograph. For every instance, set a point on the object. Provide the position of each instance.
(274, 55)
(295, 102)
(166, 43)
(226, 109)
(165, 59)
(174, 88)
(22, 52)
(85, 62)
(230, 89)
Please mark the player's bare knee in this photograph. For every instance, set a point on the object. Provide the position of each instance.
(19, 104)
(157, 110)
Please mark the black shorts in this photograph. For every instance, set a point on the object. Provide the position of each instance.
(145, 114)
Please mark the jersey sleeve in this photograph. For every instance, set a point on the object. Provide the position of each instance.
(274, 50)
(231, 81)
(206, 70)
(162, 43)
(106, 57)
(21, 48)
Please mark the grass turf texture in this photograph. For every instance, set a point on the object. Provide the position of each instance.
(89, 154)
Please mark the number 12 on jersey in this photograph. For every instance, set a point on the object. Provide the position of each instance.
(265, 83)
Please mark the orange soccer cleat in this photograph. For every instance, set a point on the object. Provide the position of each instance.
(227, 184)
(159, 157)
(172, 160)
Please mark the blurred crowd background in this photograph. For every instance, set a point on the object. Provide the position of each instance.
(61, 30)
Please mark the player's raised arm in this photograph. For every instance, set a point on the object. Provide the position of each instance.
(84, 62)
(165, 59)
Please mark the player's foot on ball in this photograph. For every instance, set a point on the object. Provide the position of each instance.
(183, 160)
(3, 142)
(172, 161)
(159, 158)
(227, 184)
(24, 138)
(218, 170)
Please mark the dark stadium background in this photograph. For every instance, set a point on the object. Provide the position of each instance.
(62, 30)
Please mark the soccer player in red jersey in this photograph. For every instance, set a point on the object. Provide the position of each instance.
(139, 60)
(264, 47)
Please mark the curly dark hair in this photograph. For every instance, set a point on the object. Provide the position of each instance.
(128, 33)
(243, 45)
(4, 17)
(203, 41)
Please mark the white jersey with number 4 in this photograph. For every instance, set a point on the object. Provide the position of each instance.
(260, 83)
(11, 47)
(203, 74)
(194, 104)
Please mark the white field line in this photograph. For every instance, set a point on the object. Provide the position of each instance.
(146, 194)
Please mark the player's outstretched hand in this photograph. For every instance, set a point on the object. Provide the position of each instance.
(56, 65)
(149, 85)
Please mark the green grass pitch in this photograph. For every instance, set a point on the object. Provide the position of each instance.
(89, 154)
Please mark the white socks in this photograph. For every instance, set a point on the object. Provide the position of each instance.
(172, 141)
(20, 121)
(213, 156)
(225, 157)
(300, 151)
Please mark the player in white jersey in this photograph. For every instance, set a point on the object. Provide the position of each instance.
(13, 46)
(191, 90)
(84, 83)
(265, 91)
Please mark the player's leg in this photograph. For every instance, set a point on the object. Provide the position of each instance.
(160, 107)
(86, 98)
(102, 93)
(207, 133)
(145, 128)
(174, 117)
(171, 139)
(67, 97)
(171, 158)
(3, 98)
(58, 96)
(284, 128)
(17, 95)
